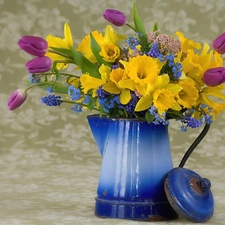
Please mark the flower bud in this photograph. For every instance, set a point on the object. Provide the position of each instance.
(39, 64)
(36, 46)
(115, 17)
(214, 76)
(219, 44)
(17, 98)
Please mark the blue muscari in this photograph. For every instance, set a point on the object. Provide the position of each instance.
(193, 122)
(154, 51)
(132, 104)
(114, 67)
(51, 100)
(101, 92)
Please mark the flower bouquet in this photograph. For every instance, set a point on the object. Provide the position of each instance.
(151, 76)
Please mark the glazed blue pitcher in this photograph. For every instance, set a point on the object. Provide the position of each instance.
(136, 160)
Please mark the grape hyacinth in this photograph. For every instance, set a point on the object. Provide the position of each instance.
(51, 100)
(154, 51)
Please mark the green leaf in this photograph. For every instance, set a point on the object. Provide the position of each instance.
(56, 87)
(85, 65)
(91, 104)
(96, 49)
(154, 27)
(172, 114)
(149, 117)
(139, 27)
(62, 51)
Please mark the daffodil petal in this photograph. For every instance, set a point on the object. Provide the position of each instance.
(125, 96)
(144, 103)
(111, 88)
(68, 36)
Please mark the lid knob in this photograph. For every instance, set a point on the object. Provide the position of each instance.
(205, 184)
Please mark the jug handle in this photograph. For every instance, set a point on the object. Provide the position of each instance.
(194, 144)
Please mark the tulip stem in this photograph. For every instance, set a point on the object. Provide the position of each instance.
(38, 84)
(65, 74)
(130, 26)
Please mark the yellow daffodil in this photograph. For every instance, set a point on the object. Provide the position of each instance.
(119, 84)
(114, 78)
(209, 96)
(110, 52)
(113, 85)
(162, 97)
(91, 83)
(187, 44)
(194, 65)
(143, 71)
(188, 96)
(109, 45)
(111, 36)
(64, 43)
(216, 107)
(85, 47)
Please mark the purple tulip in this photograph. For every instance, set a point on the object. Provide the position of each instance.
(214, 76)
(115, 17)
(39, 64)
(17, 98)
(219, 44)
(33, 45)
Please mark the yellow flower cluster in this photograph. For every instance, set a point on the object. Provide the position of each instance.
(143, 74)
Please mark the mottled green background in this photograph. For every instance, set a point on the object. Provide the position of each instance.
(49, 163)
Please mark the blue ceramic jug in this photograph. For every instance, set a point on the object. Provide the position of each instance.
(136, 160)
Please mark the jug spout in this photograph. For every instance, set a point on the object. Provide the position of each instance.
(99, 128)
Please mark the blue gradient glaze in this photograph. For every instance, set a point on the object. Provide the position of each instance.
(136, 160)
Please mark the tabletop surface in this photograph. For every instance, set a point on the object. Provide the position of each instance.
(49, 162)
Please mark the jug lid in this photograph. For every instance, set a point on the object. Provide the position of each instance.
(189, 194)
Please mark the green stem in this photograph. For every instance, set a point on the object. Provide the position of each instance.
(131, 27)
(38, 84)
(79, 103)
(64, 61)
(65, 74)
(125, 112)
